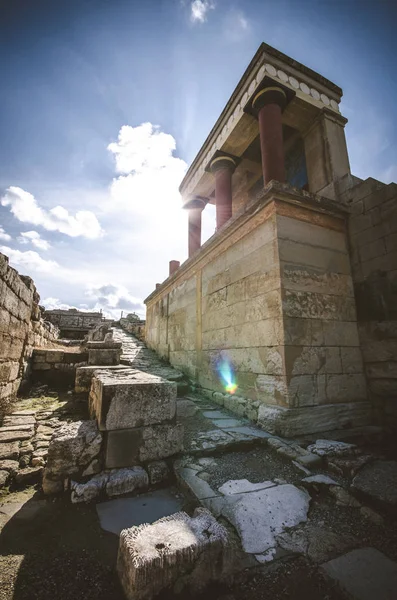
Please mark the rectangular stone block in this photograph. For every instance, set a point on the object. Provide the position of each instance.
(84, 376)
(104, 356)
(130, 398)
(128, 447)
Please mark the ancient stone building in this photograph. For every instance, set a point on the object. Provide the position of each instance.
(294, 298)
(73, 323)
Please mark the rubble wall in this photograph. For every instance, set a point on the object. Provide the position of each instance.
(21, 328)
(373, 242)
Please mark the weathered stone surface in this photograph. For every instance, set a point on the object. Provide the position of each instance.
(318, 482)
(11, 436)
(127, 447)
(9, 451)
(158, 471)
(11, 466)
(28, 475)
(4, 476)
(180, 544)
(104, 356)
(262, 515)
(51, 486)
(364, 574)
(72, 448)
(92, 489)
(85, 374)
(343, 497)
(185, 408)
(127, 399)
(332, 448)
(318, 543)
(124, 481)
(378, 481)
(291, 422)
(240, 486)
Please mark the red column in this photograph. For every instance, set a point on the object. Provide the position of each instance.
(194, 230)
(269, 104)
(174, 266)
(223, 168)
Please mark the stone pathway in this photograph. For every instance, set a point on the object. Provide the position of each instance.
(25, 436)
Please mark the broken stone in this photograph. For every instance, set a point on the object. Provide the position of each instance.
(371, 515)
(364, 574)
(185, 409)
(28, 475)
(262, 515)
(24, 460)
(86, 492)
(318, 482)
(11, 466)
(199, 488)
(378, 481)
(93, 468)
(311, 461)
(125, 481)
(343, 498)
(158, 472)
(38, 461)
(73, 447)
(9, 451)
(154, 557)
(26, 447)
(4, 476)
(318, 543)
(332, 448)
(19, 420)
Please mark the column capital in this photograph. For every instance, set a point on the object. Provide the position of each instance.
(222, 160)
(268, 92)
(196, 203)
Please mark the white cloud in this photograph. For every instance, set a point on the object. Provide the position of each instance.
(24, 207)
(113, 299)
(29, 261)
(34, 238)
(199, 10)
(4, 236)
(235, 26)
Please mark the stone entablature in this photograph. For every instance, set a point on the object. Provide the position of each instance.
(308, 87)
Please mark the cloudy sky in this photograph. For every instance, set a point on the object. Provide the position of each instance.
(104, 103)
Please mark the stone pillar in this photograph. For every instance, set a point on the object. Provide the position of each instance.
(174, 266)
(195, 207)
(223, 166)
(268, 105)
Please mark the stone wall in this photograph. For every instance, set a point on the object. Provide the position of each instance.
(137, 328)
(57, 366)
(373, 241)
(21, 328)
(272, 295)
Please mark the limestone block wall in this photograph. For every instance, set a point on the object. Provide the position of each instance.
(57, 366)
(272, 295)
(21, 328)
(373, 242)
(136, 328)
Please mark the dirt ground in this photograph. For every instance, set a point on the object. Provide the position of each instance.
(52, 549)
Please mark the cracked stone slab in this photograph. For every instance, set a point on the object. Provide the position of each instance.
(365, 574)
(262, 515)
(242, 486)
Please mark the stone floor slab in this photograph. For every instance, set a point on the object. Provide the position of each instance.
(378, 481)
(215, 414)
(226, 423)
(365, 574)
(242, 486)
(116, 515)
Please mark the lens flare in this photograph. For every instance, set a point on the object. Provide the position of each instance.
(225, 371)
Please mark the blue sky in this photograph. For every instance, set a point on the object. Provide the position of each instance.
(103, 104)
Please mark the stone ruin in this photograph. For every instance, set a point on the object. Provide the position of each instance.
(295, 293)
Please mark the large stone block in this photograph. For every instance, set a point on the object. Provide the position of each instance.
(130, 398)
(128, 447)
(73, 447)
(85, 374)
(180, 548)
(104, 356)
(291, 422)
